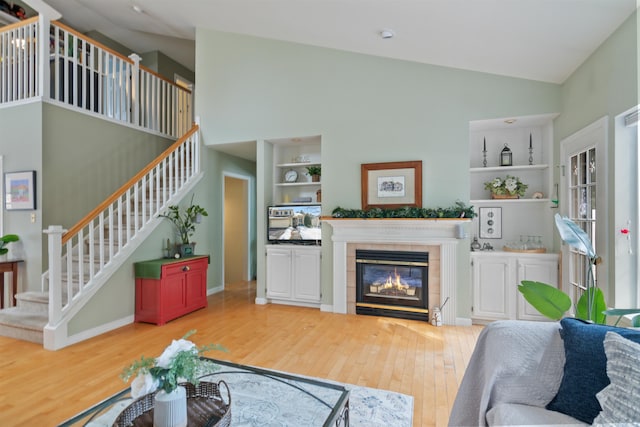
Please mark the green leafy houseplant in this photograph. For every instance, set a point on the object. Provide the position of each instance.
(185, 221)
(5, 240)
(554, 303)
(510, 185)
(180, 362)
(314, 170)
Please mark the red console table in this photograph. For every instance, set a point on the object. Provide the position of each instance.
(170, 288)
(9, 266)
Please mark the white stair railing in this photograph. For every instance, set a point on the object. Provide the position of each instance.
(78, 257)
(85, 75)
(19, 46)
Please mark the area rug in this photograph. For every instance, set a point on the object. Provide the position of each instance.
(280, 405)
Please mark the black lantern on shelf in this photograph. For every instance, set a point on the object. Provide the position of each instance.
(506, 157)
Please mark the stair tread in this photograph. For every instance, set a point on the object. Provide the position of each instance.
(18, 317)
(33, 296)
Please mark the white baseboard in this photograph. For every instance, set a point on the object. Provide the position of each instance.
(463, 321)
(102, 329)
(296, 303)
(326, 307)
(215, 290)
(261, 301)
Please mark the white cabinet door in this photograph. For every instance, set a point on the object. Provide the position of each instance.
(278, 272)
(537, 270)
(492, 289)
(306, 274)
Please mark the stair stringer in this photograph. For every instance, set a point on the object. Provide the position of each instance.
(56, 336)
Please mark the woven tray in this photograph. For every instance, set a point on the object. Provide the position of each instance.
(205, 407)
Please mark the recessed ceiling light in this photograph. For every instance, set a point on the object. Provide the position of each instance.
(387, 34)
(510, 121)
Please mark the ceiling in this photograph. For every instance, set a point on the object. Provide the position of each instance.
(543, 40)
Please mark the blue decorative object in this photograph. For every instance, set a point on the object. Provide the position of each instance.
(585, 368)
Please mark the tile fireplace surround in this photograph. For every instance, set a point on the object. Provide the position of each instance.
(436, 236)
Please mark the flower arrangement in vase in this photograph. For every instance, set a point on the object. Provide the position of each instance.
(180, 362)
(509, 187)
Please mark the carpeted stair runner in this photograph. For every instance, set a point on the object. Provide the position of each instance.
(27, 319)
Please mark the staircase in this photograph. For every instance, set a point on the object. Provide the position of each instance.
(83, 259)
(27, 319)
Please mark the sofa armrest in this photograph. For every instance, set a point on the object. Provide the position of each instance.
(513, 362)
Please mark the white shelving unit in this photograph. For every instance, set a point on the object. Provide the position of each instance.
(525, 216)
(296, 154)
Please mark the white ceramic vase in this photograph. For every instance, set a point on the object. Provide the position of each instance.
(170, 409)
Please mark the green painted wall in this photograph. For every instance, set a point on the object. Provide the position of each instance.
(116, 300)
(367, 109)
(606, 84)
(88, 158)
(21, 150)
(216, 164)
(162, 64)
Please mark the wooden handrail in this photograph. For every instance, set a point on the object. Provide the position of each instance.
(150, 71)
(123, 189)
(113, 52)
(92, 41)
(19, 24)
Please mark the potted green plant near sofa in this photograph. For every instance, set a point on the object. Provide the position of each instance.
(185, 221)
(554, 303)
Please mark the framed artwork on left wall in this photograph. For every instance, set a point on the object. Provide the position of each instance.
(20, 190)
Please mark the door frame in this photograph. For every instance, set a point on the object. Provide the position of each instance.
(594, 135)
(249, 181)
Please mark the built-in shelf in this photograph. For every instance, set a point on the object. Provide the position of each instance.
(509, 168)
(507, 201)
(296, 165)
(297, 184)
(295, 156)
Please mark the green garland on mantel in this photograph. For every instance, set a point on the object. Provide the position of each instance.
(459, 210)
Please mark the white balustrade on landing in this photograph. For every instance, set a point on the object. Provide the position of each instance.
(19, 61)
(86, 75)
(104, 235)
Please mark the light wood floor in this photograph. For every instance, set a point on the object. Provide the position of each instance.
(42, 388)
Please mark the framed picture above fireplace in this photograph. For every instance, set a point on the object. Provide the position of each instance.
(391, 184)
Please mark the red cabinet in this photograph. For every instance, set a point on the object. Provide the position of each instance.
(167, 288)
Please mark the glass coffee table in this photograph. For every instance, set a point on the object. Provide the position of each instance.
(259, 397)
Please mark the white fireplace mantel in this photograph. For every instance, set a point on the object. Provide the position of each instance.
(445, 233)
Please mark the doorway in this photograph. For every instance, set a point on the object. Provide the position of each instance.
(584, 181)
(236, 229)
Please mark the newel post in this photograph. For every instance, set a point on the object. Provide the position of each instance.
(43, 79)
(135, 88)
(55, 233)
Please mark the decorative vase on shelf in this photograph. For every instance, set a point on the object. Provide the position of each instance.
(170, 409)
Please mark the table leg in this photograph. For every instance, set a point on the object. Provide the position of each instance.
(1, 290)
(14, 279)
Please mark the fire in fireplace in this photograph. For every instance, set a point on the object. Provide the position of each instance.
(392, 283)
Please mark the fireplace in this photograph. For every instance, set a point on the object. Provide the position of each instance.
(392, 283)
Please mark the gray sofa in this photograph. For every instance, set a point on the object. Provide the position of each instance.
(514, 372)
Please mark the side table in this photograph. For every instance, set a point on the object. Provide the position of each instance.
(9, 266)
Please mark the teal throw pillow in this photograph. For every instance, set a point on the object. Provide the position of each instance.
(585, 368)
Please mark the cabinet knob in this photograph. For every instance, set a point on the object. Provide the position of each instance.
(186, 268)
